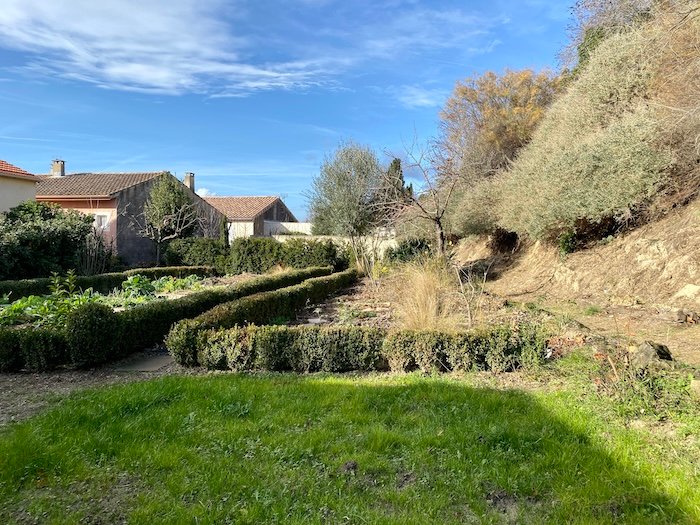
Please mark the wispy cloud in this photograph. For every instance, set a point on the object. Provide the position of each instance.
(142, 45)
(417, 96)
(205, 192)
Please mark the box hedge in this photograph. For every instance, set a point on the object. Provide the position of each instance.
(256, 309)
(345, 348)
(199, 251)
(102, 283)
(257, 255)
(94, 333)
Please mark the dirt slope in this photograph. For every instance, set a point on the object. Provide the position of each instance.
(633, 286)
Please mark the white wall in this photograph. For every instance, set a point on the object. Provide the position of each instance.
(14, 191)
(282, 228)
(240, 229)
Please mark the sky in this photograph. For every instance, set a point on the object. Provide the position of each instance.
(251, 96)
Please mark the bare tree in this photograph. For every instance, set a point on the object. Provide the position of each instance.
(430, 202)
(169, 213)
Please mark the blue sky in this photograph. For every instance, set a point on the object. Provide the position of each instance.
(248, 95)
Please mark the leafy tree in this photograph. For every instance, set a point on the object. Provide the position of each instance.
(488, 118)
(169, 213)
(37, 239)
(344, 196)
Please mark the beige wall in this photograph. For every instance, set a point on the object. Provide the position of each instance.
(240, 229)
(97, 207)
(14, 191)
(283, 228)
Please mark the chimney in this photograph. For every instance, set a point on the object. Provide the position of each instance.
(189, 180)
(58, 168)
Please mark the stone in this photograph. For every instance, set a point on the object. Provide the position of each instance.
(649, 354)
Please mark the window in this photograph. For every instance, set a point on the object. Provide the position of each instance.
(101, 221)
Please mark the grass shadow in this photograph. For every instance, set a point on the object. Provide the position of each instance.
(322, 449)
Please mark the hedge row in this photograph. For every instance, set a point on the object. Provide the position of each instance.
(182, 341)
(346, 348)
(94, 333)
(102, 283)
(255, 254)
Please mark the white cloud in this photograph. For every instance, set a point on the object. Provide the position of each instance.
(219, 47)
(204, 192)
(419, 96)
(142, 45)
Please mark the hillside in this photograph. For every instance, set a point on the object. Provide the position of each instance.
(632, 286)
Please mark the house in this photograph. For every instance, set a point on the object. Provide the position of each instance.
(116, 201)
(256, 216)
(16, 186)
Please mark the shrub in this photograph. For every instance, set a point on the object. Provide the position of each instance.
(182, 338)
(10, 356)
(43, 348)
(255, 255)
(344, 348)
(199, 251)
(37, 239)
(408, 250)
(263, 307)
(91, 334)
(598, 152)
(259, 255)
(300, 253)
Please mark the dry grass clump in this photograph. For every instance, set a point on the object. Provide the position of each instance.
(427, 297)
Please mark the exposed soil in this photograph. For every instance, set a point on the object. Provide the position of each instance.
(631, 287)
(24, 394)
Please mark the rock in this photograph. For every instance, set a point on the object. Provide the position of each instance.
(687, 317)
(649, 354)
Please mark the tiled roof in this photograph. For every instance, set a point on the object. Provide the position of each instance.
(11, 170)
(242, 208)
(91, 184)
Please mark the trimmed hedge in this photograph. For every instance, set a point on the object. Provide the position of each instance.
(94, 333)
(345, 348)
(258, 308)
(259, 254)
(200, 251)
(102, 283)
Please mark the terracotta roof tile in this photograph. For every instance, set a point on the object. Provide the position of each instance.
(242, 208)
(91, 184)
(13, 171)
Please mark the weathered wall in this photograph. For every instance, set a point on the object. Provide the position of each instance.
(131, 246)
(279, 213)
(14, 191)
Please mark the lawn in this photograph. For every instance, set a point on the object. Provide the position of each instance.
(230, 448)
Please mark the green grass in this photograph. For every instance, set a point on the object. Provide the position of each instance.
(336, 449)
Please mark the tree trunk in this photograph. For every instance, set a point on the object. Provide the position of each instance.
(440, 235)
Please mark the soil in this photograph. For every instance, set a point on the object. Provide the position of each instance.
(25, 394)
(630, 287)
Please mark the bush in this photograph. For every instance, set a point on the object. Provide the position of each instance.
(37, 239)
(300, 253)
(344, 348)
(408, 250)
(92, 334)
(102, 283)
(43, 349)
(10, 356)
(199, 251)
(598, 153)
(263, 307)
(255, 255)
(261, 254)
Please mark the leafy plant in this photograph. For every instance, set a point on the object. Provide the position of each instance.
(138, 286)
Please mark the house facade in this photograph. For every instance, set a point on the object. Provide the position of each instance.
(116, 202)
(255, 216)
(16, 186)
